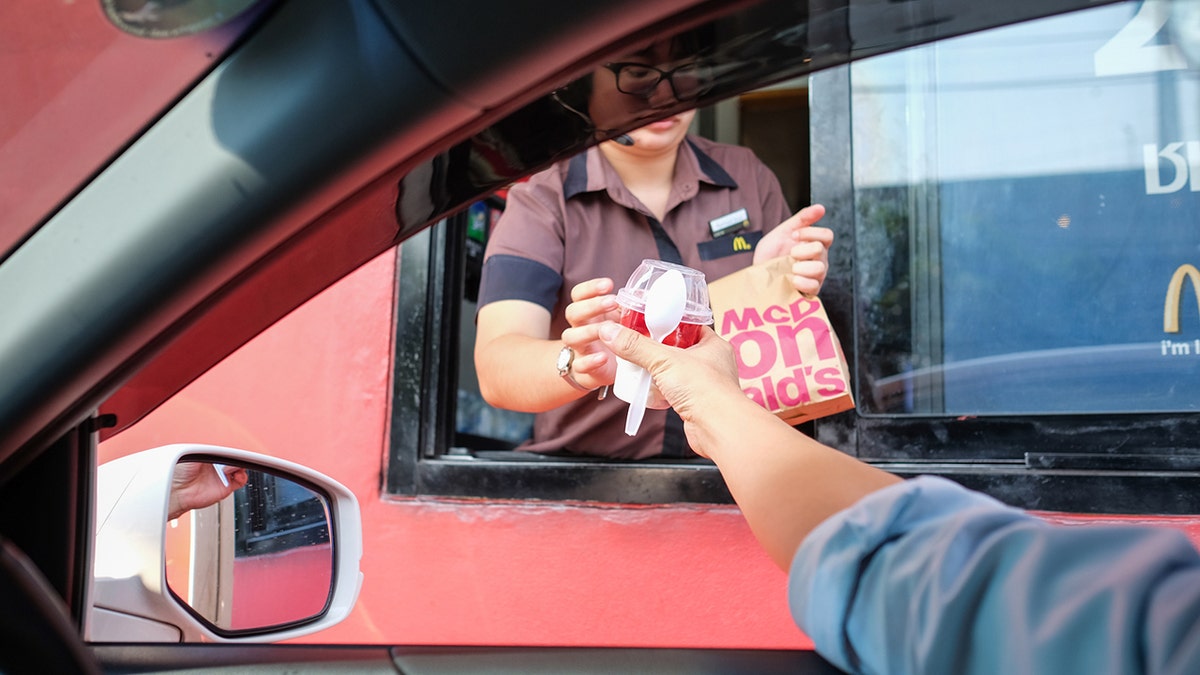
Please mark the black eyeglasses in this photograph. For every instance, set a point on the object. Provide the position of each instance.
(688, 81)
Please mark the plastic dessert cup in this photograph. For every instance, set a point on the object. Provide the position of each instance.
(631, 298)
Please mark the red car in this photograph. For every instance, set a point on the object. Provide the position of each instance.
(243, 239)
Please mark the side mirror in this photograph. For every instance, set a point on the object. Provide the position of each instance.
(204, 543)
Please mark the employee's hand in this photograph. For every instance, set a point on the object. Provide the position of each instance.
(592, 303)
(807, 244)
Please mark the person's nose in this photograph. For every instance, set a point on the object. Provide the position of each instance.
(662, 94)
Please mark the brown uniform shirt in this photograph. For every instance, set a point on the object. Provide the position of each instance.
(576, 221)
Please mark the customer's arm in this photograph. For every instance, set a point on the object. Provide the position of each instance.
(785, 482)
(926, 576)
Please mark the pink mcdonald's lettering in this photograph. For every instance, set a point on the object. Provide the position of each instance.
(731, 320)
(759, 350)
(762, 346)
(794, 390)
(789, 340)
(832, 380)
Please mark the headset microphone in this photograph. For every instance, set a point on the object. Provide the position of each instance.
(624, 139)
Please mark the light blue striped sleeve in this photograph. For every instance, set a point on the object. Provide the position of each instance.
(928, 577)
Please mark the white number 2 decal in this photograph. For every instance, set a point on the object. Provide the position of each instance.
(1130, 51)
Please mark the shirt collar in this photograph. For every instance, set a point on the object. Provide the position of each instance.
(586, 172)
(710, 170)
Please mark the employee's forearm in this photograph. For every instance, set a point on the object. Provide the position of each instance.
(784, 482)
(517, 372)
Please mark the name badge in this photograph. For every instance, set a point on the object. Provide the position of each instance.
(730, 222)
(730, 244)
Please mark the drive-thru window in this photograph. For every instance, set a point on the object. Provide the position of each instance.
(1019, 305)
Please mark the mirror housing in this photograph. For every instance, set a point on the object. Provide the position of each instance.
(130, 600)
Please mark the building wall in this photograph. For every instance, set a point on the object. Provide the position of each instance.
(314, 389)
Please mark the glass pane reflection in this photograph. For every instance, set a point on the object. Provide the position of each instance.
(261, 555)
(1024, 198)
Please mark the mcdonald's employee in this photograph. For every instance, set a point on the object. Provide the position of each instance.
(575, 231)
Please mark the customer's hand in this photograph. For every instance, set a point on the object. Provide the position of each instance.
(700, 383)
(196, 485)
(806, 243)
(785, 482)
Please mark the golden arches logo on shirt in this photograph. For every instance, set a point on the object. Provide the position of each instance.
(740, 244)
(1174, 299)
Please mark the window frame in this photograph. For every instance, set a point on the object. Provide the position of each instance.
(1042, 462)
(1065, 476)
(264, 527)
(422, 458)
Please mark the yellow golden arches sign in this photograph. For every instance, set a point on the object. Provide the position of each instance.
(1175, 296)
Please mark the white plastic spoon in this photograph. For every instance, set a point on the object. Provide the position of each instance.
(665, 301)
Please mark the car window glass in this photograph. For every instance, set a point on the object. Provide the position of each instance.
(1023, 211)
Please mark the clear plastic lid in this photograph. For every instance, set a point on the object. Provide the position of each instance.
(632, 296)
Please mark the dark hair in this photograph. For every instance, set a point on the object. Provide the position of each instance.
(575, 96)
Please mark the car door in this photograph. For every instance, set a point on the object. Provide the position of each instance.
(278, 173)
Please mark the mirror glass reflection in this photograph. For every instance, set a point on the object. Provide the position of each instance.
(247, 549)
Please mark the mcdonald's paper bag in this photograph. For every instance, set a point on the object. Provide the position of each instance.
(788, 356)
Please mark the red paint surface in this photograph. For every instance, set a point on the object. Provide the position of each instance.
(281, 587)
(314, 389)
(267, 589)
